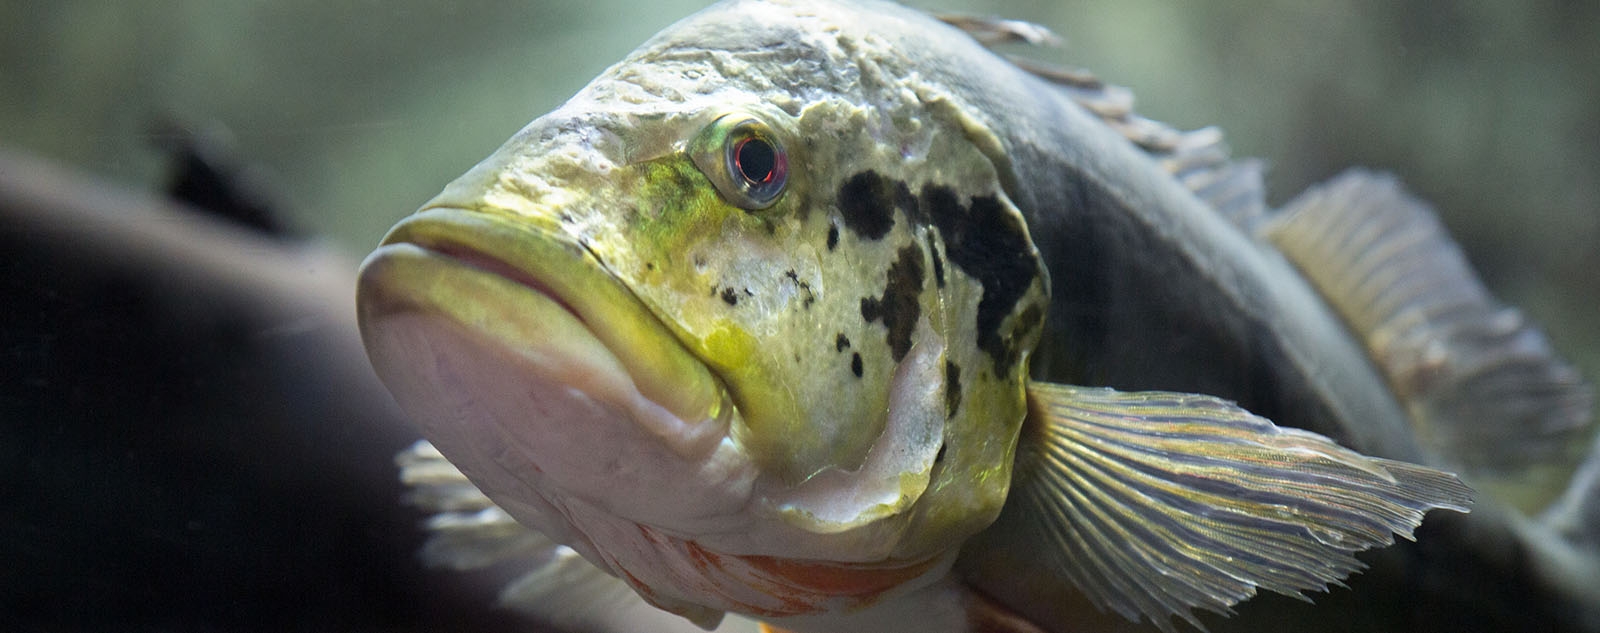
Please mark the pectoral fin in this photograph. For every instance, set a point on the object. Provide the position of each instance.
(1153, 503)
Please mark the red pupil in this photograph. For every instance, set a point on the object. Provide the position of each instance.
(755, 159)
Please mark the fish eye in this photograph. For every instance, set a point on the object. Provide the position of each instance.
(743, 157)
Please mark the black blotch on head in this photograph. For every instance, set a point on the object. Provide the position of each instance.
(952, 388)
(867, 202)
(991, 245)
(841, 342)
(898, 307)
(833, 237)
(729, 296)
(855, 363)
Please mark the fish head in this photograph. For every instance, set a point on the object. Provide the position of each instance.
(755, 289)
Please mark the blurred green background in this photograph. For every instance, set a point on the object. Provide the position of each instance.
(359, 110)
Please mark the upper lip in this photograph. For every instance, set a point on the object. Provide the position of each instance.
(558, 267)
(488, 261)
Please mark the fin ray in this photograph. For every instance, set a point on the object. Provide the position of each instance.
(559, 588)
(1155, 503)
(1483, 387)
(1198, 159)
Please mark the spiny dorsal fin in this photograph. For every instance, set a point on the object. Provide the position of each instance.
(1484, 389)
(990, 30)
(1197, 158)
(1154, 503)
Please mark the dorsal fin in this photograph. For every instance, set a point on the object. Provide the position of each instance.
(1197, 158)
(1481, 384)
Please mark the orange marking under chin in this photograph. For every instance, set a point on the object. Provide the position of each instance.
(804, 586)
(787, 586)
(840, 579)
(677, 575)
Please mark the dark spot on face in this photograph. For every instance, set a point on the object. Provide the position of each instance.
(855, 363)
(990, 244)
(833, 237)
(649, 265)
(841, 342)
(867, 202)
(807, 297)
(898, 307)
(730, 297)
(952, 388)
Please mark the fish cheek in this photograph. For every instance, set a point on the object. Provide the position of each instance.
(744, 292)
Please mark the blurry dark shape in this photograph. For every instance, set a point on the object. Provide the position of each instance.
(190, 436)
(206, 172)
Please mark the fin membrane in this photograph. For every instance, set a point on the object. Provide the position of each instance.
(1153, 503)
(561, 589)
(467, 531)
(1482, 385)
(991, 31)
(1198, 159)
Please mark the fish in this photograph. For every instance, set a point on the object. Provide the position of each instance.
(826, 315)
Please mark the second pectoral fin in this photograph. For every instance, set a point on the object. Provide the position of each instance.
(1153, 503)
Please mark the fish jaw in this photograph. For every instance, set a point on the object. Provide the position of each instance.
(502, 340)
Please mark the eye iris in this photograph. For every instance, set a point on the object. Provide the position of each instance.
(756, 160)
(744, 159)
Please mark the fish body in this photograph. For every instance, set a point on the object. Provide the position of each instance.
(825, 314)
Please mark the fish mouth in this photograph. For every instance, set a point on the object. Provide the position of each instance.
(496, 297)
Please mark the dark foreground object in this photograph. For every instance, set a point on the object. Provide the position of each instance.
(190, 437)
